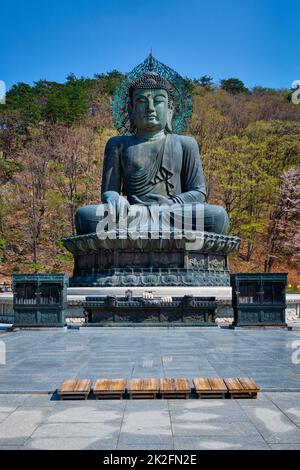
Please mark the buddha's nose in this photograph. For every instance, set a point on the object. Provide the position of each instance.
(150, 108)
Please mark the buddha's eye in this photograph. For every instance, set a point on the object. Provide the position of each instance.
(160, 99)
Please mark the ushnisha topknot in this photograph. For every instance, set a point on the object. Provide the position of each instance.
(152, 81)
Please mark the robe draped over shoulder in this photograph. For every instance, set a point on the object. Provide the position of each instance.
(176, 171)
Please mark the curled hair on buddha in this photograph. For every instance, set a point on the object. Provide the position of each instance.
(153, 81)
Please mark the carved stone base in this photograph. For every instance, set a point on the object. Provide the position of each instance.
(144, 278)
(197, 259)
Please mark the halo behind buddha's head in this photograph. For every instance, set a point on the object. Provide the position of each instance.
(152, 74)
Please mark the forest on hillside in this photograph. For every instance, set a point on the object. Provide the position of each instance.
(52, 138)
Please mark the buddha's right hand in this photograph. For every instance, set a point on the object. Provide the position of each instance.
(116, 203)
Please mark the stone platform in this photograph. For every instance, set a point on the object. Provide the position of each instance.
(38, 361)
(122, 259)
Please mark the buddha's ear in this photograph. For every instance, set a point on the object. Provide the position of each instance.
(130, 110)
(169, 120)
(131, 118)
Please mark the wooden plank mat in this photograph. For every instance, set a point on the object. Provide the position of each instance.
(242, 387)
(249, 384)
(205, 387)
(143, 388)
(75, 389)
(174, 388)
(210, 387)
(109, 388)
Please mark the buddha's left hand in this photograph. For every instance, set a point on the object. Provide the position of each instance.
(151, 199)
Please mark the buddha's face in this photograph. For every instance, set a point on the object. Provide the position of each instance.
(150, 109)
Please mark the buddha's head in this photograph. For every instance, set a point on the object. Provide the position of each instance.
(151, 104)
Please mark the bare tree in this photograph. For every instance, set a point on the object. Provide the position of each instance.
(34, 183)
(72, 166)
(284, 232)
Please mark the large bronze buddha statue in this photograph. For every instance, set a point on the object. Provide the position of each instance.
(150, 165)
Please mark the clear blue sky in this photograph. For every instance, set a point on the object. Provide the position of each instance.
(257, 41)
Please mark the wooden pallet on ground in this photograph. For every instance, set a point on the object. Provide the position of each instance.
(174, 388)
(143, 388)
(75, 389)
(210, 387)
(242, 387)
(109, 388)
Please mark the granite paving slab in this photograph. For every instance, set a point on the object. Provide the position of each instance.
(38, 361)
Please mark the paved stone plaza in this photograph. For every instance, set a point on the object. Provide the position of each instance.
(38, 361)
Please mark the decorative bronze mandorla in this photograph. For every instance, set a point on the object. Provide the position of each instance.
(181, 96)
